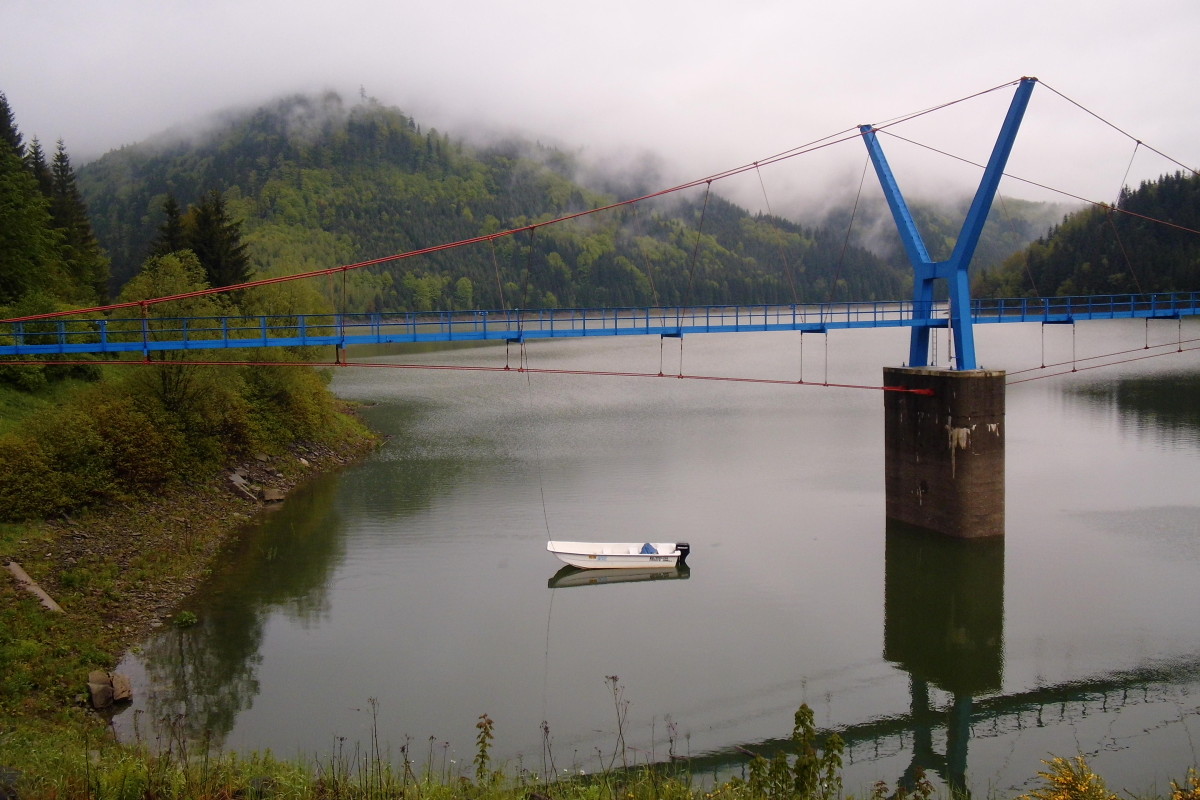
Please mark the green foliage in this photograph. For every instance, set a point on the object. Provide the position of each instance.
(141, 448)
(287, 404)
(171, 274)
(184, 619)
(208, 412)
(35, 162)
(483, 746)
(75, 448)
(464, 294)
(154, 425)
(99, 446)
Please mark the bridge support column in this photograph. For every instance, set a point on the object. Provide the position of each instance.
(944, 452)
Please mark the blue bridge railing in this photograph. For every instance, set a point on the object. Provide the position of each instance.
(1167, 305)
(70, 335)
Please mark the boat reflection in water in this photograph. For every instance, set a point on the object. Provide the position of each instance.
(573, 576)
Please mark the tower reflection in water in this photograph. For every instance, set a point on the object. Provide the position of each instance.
(944, 626)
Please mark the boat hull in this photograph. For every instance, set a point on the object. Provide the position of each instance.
(617, 555)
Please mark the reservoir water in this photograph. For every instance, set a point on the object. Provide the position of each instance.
(410, 594)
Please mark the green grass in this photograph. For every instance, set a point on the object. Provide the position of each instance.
(52, 762)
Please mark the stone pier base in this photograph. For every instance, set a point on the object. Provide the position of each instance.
(944, 453)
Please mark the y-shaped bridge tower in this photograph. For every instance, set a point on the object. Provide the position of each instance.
(944, 452)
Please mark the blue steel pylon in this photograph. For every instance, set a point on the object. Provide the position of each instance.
(954, 269)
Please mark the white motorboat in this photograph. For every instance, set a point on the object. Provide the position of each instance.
(620, 555)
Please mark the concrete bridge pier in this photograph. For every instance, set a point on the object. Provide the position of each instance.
(944, 452)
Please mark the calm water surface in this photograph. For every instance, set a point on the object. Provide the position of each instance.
(413, 592)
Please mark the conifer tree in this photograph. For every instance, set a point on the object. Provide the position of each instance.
(35, 162)
(29, 245)
(85, 261)
(217, 241)
(9, 134)
(172, 237)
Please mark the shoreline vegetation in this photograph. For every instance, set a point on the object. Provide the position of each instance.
(122, 569)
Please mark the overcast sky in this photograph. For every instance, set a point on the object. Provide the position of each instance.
(705, 85)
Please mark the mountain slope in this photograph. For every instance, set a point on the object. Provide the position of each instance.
(320, 183)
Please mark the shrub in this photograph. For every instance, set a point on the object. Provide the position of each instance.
(143, 453)
(1070, 779)
(1190, 790)
(76, 450)
(289, 403)
(807, 774)
(30, 486)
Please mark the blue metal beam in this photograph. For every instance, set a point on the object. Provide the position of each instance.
(924, 268)
(956, 268)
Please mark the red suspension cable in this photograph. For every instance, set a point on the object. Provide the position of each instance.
(523, 368)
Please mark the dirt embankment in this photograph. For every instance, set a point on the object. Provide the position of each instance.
(123, 571)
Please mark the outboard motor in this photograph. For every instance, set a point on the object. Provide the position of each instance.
(684, 548)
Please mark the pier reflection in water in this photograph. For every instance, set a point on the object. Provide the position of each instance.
(944, 626)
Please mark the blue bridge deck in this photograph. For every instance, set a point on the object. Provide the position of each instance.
(67, 335)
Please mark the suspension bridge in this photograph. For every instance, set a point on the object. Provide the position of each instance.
(103, 330)
(956, 489)
(146, 335)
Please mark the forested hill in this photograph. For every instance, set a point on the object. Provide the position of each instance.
(318, 182)
(1153, 248)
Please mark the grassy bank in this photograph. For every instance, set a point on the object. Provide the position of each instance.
(47, 761)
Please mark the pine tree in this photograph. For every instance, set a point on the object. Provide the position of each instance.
(217, 241)
(35, 162)
(86, 263)
(9, 134)
(172, 236)
(29, 245)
